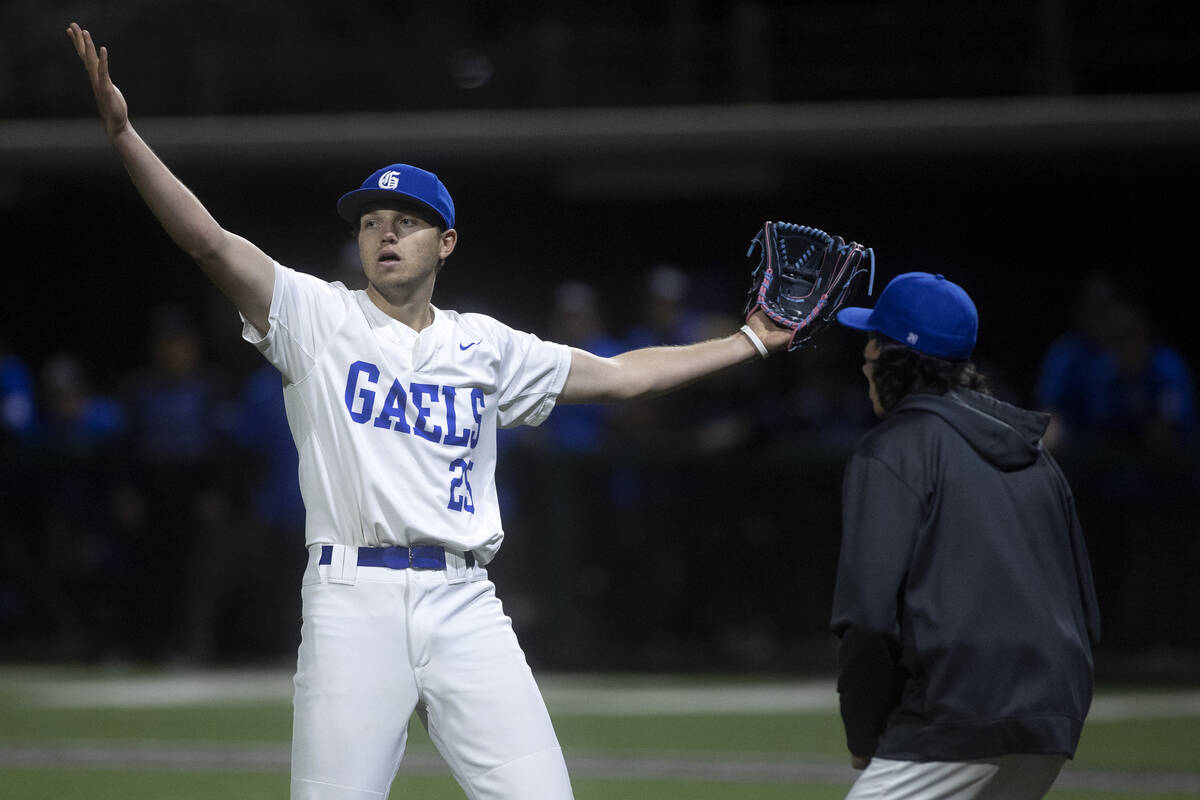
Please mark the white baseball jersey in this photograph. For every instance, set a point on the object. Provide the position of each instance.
(396, 430)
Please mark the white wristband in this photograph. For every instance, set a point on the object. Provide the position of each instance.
(757, 342)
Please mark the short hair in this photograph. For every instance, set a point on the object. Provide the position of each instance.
(900, 371)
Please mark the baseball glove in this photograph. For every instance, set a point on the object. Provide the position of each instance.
(804, 276)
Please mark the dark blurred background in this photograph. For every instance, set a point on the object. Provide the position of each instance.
(609, 166)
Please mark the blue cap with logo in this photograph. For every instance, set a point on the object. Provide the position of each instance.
(399, 182)
(926, 312)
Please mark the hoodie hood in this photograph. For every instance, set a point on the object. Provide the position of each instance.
(1005, 435)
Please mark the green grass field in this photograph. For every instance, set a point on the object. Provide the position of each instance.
(72, 732)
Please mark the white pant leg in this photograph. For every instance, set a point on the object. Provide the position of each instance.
(354, 691)
(1009, 777)
(484, 710)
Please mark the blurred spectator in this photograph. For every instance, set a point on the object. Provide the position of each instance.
(18, 419)
(179, 494)
(576, 319)
(1063, 380)
(667, 317)
(1140, 390)
(1126, 406)
(1143, 415)
(77, 419)
(82, 554)
(1111, 381)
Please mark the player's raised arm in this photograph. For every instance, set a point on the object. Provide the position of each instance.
(239, 269)
(651, 371)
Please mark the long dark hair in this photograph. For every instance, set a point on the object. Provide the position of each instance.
(900, 371)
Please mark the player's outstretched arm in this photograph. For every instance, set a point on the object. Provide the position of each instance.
(239, 269)
(652, 371)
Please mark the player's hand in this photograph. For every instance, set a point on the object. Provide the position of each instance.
(775, 337)
(860, 762)
(109, 101)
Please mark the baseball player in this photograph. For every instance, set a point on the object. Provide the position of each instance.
(394, 405)
(964, 600)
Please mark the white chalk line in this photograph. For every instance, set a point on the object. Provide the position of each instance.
(697, 767)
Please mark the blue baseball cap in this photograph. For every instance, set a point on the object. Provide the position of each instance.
(924, 311)
(399, 182)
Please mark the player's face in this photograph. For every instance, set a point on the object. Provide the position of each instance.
(870, 353)
(401, 248)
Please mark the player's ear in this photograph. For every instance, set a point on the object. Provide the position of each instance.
(449, 240)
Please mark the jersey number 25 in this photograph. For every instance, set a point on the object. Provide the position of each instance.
(460, 487)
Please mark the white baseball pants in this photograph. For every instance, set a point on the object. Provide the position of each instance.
(1010, 777)
(377, 644)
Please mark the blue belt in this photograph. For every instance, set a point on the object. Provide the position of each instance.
(416, 557)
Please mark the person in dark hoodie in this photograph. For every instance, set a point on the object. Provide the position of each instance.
(964, 598)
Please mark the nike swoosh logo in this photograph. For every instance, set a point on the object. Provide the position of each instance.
(468, 346)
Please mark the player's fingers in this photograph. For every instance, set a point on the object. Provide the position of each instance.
(76, 39)
(86, 49)
(103, 66)
(97, 59)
